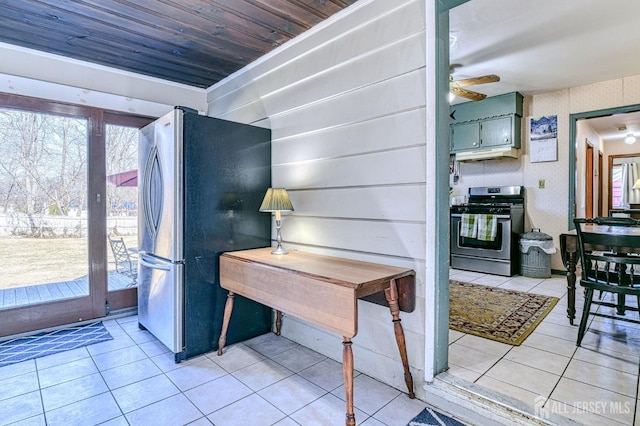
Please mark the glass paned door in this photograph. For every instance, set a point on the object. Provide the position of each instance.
(43, 208)
(122, 206)
(54, 246)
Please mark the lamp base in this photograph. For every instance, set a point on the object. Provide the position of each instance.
(279, 250)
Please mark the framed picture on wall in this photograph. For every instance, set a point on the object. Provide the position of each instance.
(543, 139)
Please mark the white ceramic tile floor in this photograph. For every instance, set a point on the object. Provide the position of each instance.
(269, 380)
(132, 380)
(596, 384)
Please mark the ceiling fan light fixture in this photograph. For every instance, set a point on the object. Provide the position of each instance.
(630, 139)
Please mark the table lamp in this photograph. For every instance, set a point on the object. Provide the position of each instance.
(277, 200)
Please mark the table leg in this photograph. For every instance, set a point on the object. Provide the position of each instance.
(391, 294)
(571, 286)
(278, 322)
(347, 371)
(228, 307)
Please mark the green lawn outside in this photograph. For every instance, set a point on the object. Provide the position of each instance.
(31, 261)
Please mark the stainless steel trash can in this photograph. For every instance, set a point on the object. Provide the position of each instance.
(536, 249)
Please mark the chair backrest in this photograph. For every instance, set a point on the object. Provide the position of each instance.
(124, 263)
(119, 249)
(604, 255)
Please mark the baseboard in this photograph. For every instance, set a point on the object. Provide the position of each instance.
(121, 313)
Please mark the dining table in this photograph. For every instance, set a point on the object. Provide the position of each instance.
(570, 252)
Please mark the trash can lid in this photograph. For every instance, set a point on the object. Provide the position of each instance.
(536, 235)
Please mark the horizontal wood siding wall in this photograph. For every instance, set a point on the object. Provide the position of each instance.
(346, 106)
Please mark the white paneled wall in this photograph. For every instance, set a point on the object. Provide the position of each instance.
(346, 106)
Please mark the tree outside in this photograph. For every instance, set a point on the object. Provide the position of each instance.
(43, 190)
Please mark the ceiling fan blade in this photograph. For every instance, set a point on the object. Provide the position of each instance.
(468, 94)
(491, 78)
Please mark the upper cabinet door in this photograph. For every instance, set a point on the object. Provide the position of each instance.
(496, 132)
(465, 136)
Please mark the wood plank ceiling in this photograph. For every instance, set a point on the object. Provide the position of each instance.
(193, 42)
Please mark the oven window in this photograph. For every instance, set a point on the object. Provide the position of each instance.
(479, 244)
(474, 243)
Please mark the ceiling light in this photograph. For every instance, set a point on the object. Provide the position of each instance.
(630, 139)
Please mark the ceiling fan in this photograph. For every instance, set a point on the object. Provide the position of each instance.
(456, 86)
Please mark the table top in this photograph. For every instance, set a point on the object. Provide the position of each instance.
(319, 289)
(337, 270)
(606, 229)
(569, 239)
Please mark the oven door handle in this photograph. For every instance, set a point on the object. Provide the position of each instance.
(500, 216)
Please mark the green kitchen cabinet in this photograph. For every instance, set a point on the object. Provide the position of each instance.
(493, 122)
(465, 136)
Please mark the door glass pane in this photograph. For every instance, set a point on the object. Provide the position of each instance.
(43, 208)
(122, 206)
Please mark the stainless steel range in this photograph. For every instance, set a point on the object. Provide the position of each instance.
(501, 206)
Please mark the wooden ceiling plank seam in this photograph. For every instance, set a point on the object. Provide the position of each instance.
(343, 4)
(320, 9)
(287, 11)
(253, 46)
(224, 17)
(259, 16)
(222, 44)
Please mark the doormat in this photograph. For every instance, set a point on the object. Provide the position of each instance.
(430, 417)
(495, 313)
(52, 342)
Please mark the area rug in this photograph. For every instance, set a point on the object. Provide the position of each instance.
(495, 313)
(48, 343)
(432, 417)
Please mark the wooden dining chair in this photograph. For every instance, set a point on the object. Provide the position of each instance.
(607, 266)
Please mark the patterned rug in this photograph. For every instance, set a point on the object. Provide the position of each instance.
(429, 417)
(43, 344)
(499, 314)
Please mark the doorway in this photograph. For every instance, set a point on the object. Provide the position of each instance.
(599, 197)
(577, 178)
(588, 190)
(53, 215)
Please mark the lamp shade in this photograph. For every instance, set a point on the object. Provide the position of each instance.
(637, 184)
(276, 199)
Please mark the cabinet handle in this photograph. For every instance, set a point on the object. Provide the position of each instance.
(475, 143)
(506, 139)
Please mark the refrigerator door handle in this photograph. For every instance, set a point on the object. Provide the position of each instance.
(153, 265)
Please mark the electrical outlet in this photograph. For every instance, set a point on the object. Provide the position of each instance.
(541, 183)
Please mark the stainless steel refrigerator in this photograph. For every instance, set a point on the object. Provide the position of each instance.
(201, 181)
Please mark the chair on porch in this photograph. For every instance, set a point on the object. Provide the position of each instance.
(608, 267)
(125, 263)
